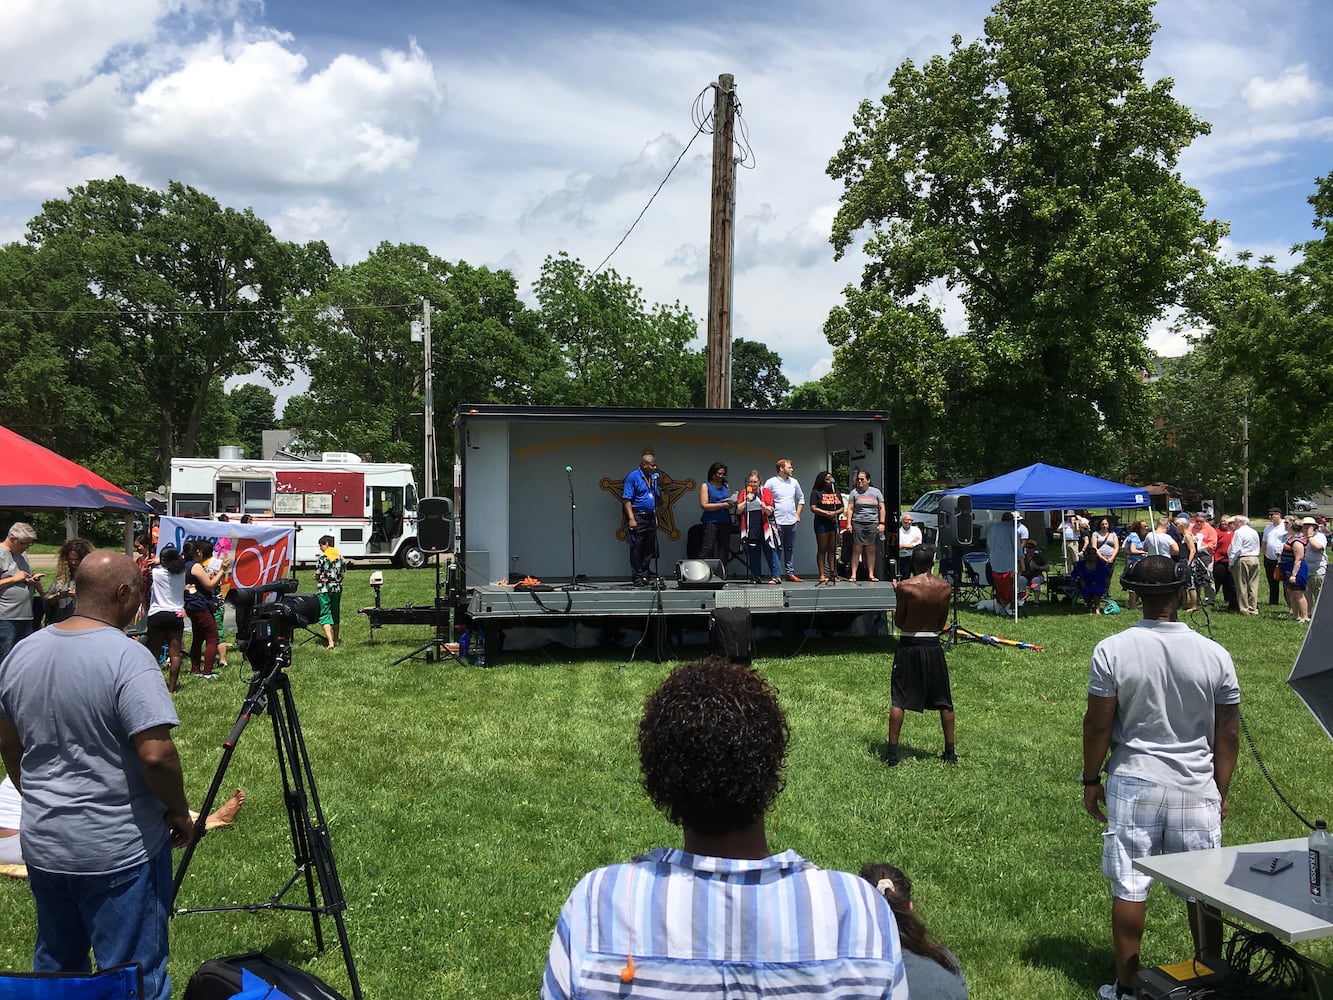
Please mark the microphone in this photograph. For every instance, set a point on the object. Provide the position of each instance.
(569, 468)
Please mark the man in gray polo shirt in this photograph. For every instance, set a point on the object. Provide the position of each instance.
(85, 733)
(1165, 703)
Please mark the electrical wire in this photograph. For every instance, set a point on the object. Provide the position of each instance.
(598, 268)
(113, 310)
(1245, 728)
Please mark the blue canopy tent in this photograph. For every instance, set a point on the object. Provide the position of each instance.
(1049, 487)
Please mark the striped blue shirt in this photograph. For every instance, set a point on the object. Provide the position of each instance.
(722, 927)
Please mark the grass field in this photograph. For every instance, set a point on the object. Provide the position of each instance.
(464, 803)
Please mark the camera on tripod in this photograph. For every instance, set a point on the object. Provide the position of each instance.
(267, 616)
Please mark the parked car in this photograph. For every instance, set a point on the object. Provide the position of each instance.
(1305, 506)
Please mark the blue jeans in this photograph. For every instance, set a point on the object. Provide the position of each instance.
(121, 917)
(11, 631)
(787, 535)
(757, 551)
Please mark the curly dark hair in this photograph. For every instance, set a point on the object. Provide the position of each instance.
(712, 742)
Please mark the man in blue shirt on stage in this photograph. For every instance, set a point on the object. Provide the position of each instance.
(640, 498)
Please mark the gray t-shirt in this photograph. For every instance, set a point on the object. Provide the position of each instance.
(1000, 548)
(865, 505)
(15, 598)
(927, 978)
(77, 700)
(1167, 680)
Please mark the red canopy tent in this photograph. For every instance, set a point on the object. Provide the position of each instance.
(33, 477)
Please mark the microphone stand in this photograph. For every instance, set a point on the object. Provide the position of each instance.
(656, 576)
(573, 562)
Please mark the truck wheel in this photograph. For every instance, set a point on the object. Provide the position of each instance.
(410, 556)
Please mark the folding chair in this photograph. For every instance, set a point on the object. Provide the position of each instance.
(963, 578)
(121, 982)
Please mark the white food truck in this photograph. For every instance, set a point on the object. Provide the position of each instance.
(370, 508)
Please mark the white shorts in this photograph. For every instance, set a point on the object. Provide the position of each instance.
(1143, 819)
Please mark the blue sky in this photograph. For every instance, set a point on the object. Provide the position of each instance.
(500, 133)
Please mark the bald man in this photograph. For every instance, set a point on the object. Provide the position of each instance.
(85, 717)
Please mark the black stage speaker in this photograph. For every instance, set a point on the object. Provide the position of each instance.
(955, 519)
(435, 524)
(700, 574)
(729, 634)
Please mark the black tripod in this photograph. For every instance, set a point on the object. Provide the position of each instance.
(435, 647)
(312, 848)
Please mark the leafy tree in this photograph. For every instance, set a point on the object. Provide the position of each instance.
(616, 350)
(155, 298)
(820, 394)
(366, 374)
(1195, 441)
(757, 382)
(1270, 337)
(1032, 172)
(252, 410)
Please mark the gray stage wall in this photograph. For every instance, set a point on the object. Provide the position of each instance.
(515, 494)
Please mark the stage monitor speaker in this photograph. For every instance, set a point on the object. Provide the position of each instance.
(955, 519)
(700, 574)
(435, 524)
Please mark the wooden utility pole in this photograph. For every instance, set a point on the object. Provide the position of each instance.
(720, 245)
(428, 466)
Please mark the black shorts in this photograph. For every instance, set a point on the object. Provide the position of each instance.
(165, 621)
(920, 675)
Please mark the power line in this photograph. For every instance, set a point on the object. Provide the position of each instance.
(701, 123)
(118, 309)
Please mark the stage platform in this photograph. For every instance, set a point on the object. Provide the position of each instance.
(587, 616)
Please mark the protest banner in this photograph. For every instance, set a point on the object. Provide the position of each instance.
(259, 554)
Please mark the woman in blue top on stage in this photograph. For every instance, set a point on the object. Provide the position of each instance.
(718, 504)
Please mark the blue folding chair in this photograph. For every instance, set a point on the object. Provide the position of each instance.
(120, 982)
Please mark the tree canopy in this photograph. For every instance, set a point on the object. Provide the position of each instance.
(1031, 173)
(1267, 352)
(616, 350)
(757, 382)
(141, 303)
(367, 375)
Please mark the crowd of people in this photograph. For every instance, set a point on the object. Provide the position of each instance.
(712, 743)
(1222, 566)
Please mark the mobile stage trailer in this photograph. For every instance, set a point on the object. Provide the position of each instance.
(538, 494)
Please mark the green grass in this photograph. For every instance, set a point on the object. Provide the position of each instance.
(464, 803)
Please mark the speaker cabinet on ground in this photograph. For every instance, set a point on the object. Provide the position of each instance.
(435, 524)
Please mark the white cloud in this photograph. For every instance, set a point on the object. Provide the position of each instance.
(44, 42)
(558, 126)
(1294, 87)
(250, 108)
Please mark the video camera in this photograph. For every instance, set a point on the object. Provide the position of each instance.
(264, 623)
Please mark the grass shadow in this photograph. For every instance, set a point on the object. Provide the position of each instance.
(1071, 957)
(879, 749)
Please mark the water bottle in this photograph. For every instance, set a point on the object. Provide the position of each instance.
(1321, 856)
(479, 648)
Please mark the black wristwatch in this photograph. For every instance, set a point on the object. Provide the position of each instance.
(1090, 782)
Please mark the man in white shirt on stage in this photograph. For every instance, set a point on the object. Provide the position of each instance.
(788, 502)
